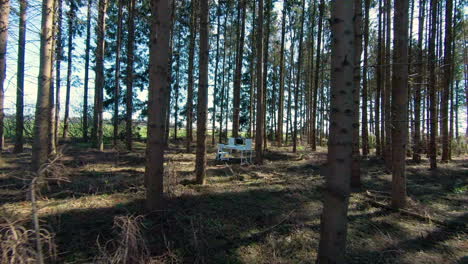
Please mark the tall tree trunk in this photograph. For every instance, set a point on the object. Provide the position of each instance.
(202, 107)
(86, 80)
(71, 18)
(117, 75)
(419, 86)
(130, 60)
(4, 19)
(355, 166)
(378, 92)
(365, 129)
(40, 149)
(19, 140)
(58, 77)
(215, 92)
(193, 32)
(447, 79)
(298, 78)
(223, 83)
(279, 129)
(238, 75)
(333, 227)
(388, 89)
(51, 146)
(159, 58)
(399, 103)
(97, 135)
(316, 80)
(260, 121)
(252, 72)
(266, 44)
(432, 88)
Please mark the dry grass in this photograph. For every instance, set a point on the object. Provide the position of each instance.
(245, 214)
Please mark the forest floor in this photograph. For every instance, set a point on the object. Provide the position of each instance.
(244, 214)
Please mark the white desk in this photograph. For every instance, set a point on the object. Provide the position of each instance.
(245, 150)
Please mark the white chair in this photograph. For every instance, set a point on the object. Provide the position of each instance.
(221, 154)
(247, 148)
(231, 142)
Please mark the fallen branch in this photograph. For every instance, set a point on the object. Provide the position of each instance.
(402, 211)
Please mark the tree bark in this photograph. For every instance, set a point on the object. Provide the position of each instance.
(117, 75)
(399, 103)
(19, 140)
(86, 80)
(157, 98)
(202, 111)
(447, 80)
(419, 86)
(298, 78)
(279, 130)
(40, 151)
(58, 77)
(336, 197)
(130, 62)
(215, 92)
(259, 130)
(238, 75)
(97, 134)
(4, 19)
(388, 89)
(365, 129)
(378, 92)
(316, 80)
(432, 152)
(193, 33)
(71, 18)
(355, 166)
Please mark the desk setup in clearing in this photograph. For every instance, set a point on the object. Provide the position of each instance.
(244, 146)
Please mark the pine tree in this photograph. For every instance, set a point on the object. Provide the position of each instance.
(159, 58)
(336, 196)
(202, 111)
(19, 140)
(399, 103)
(4, 19)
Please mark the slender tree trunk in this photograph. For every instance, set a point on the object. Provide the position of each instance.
(432, 88)
(193, 32)
(260, 121)
(388, 89)
(158, 92)
(130, 62)
(202, 111)
(355, 166)
(115, 118)
(239, 59)
(316, 80)
(298, 78)
(215, 92)
(223, 84)
(399, 103)
(252, 72)
(58, 78)
(97, 135)
(378, 92)
(418, 87)
(365, 129)
(40, 151)
(266, 43)
(51, 147)
(86, 80)
(71, 18)
(19, 140)
(336, 197)
(447, 79)
(279, 130)
(4, 19)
